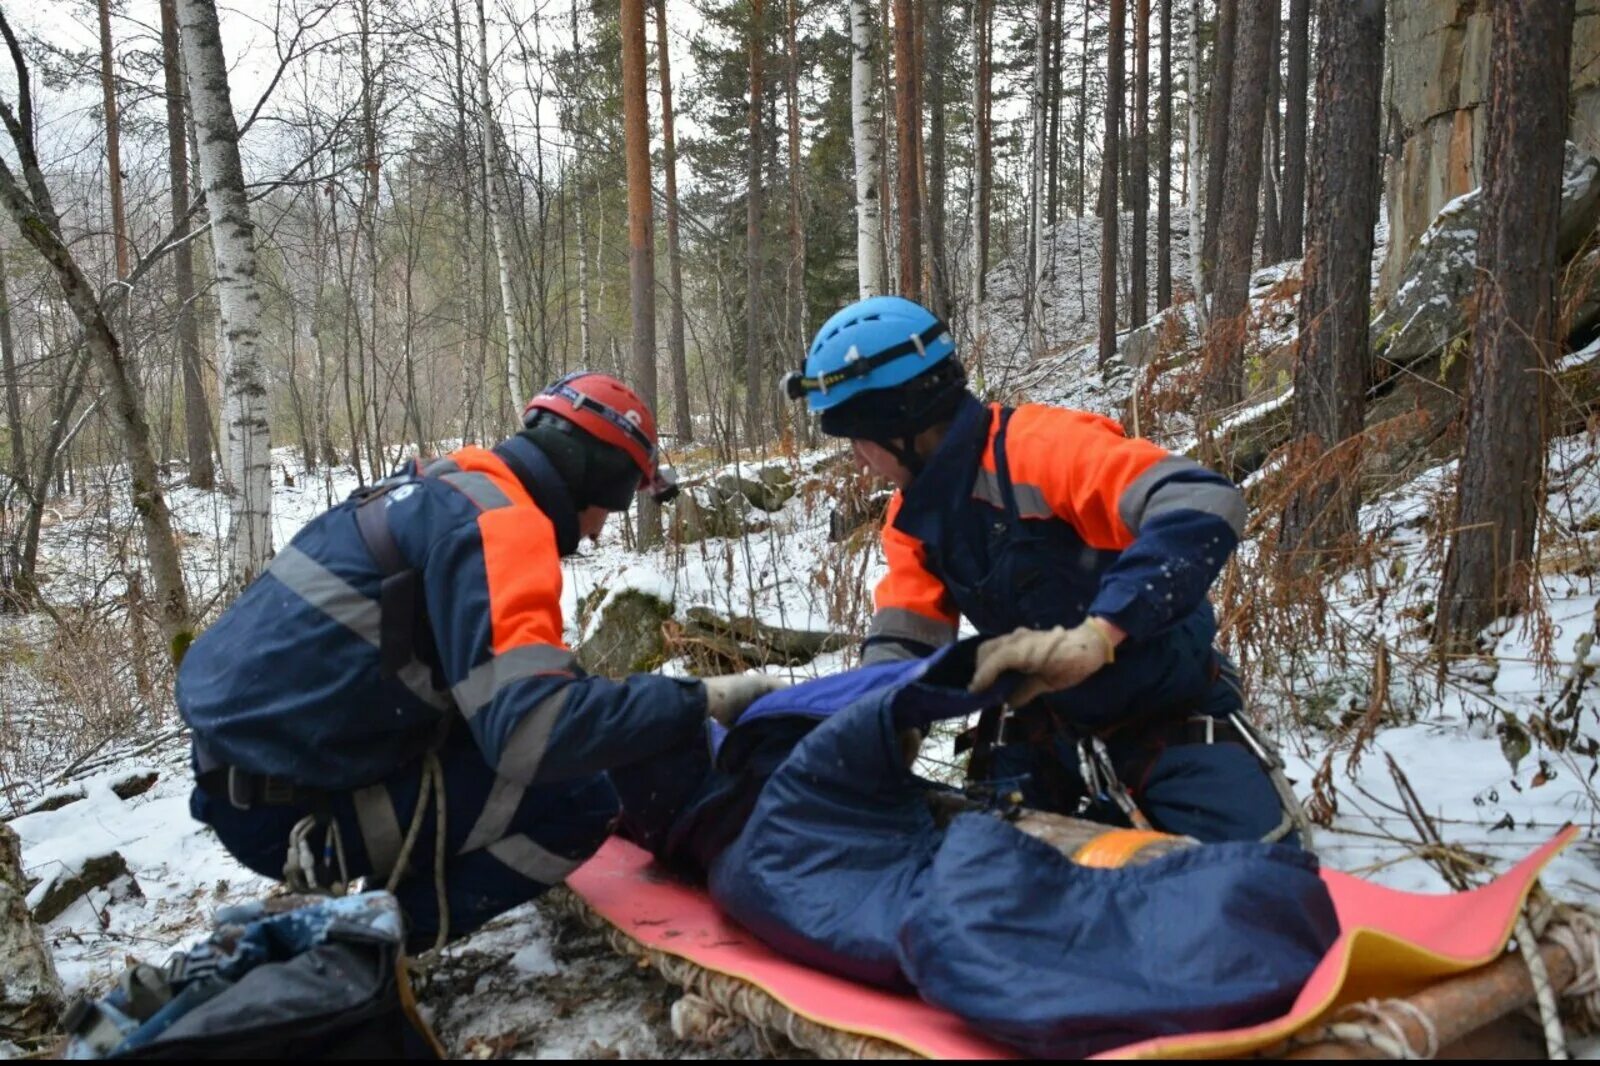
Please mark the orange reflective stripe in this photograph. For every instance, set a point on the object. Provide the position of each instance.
(520, 560)
(1112, 849)
(908, 586)
(1080, 463)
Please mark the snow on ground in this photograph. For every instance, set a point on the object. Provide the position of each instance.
(533, 984)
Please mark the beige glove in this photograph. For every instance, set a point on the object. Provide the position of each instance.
(1051, 659)
(728, 695)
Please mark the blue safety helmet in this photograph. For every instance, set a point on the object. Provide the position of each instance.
(881, 369)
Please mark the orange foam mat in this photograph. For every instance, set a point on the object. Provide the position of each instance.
(1391, 944)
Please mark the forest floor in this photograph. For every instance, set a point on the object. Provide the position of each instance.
(1492, 745)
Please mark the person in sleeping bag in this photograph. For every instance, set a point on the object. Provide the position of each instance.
(1085, 555)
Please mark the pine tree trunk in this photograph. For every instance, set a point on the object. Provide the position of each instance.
(1218, 124)
(186, 330)
(982, 129)
(669, 144)
(1108, 183)
(1294, 128)
(1038, 206)
(1164, 166)
(798, 311)
(1332, 364)
(1241, 203)
(641, 242)
(244, 406)
(1083, 125)
(908, 123)
(868, 152)
(1490, 567)
(1139, 308)
(755, 398)
(1194, 163)
(1271, 221)
(1057, 45)
(499, 224)
(938, 271)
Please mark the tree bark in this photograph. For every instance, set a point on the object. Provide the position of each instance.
(938, 289)
(1053, 98)
(499, 221)
(186, 330)
(1108, 184)
(641, 242)
(1194, 159)
(245, 413)
(755, 399)
(908, 124)
(1083, 127)
(1038, 206)
(1164, 165)
(1218, 125)
(108, 86)
(982, 149)
(1139, 307)
(1247, 113)
(1271, 219)
(1294, 127)
(1332, 364)
(1490, 564)
(868, 152)
(796, 276)
(669, 148)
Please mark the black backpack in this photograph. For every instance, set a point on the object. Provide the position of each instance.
(321, 981)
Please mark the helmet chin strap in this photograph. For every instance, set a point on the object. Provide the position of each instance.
(905, 450)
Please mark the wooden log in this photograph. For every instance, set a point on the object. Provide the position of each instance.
(1458, 1008)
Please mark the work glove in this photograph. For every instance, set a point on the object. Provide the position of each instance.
(728, 695)
(1049, 660)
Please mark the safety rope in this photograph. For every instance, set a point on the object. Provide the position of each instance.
(432, 778)
(1555, 1037)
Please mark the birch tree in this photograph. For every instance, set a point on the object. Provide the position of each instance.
(248, 462)
(868, 144)
(499, 221)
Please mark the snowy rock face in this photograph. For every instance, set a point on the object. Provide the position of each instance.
(1429, 309)
(1440, 65)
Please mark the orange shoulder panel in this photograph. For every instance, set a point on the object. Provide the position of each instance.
(1081, 463)
(520, 560)
(908, 585)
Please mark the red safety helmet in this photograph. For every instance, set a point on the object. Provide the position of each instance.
(614, 414)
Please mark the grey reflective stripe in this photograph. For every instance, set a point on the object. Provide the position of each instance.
(987, 488)
(1154, 493)
(525, 747)
(532, 861)
(1031, 502)
(440, 467)
(418, 679)
(898, 623)
(380, 828)
(498, 810)
(479, 488)
(483, 682)
(328, 592)
(887, 651)
(345, 604)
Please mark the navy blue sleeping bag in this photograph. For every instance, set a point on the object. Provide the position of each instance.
(827, 850)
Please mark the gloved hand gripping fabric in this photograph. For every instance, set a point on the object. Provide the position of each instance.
(1050, 659)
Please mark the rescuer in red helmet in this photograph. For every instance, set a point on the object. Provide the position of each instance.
(393, 698)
